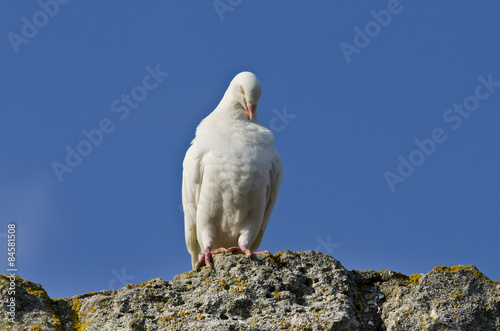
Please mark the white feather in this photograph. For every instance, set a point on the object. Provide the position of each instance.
(231, 175)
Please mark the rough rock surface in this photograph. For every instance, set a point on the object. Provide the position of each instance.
(284, 291)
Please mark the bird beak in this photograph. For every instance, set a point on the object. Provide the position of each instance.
(251, 109)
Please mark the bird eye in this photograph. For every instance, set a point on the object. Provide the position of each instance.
(241, 89)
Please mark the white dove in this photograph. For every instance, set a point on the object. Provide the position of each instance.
(231, 176)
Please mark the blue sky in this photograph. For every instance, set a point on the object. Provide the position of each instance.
(386, 116)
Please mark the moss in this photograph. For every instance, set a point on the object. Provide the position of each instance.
(35, 328)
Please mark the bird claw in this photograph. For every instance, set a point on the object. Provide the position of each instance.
(207, 255)
(204, 259)
(244, 249)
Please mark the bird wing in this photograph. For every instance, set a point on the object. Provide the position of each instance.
(192, 177)
(275, 177)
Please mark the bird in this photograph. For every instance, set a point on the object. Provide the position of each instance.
(231, 176)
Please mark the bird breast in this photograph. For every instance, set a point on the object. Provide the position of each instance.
(235, 199)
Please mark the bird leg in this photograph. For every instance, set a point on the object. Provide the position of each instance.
(207, 255)
(244, 249)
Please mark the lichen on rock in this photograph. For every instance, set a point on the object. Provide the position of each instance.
(285, 291)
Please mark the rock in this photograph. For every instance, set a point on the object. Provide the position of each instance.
(284, 291)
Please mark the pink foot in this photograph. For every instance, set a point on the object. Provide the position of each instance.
(245, 250)
(207, 255)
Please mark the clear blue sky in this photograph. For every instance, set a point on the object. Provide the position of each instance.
(348, 88)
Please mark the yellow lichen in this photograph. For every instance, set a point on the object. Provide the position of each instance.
(285, 325)
(41, 292)
(421, 325)
(35, 291)
(221, 284)
(238, 289)
(86, 324)
(232, 284)
(277, 257)
(305, 327)
(75, 320)
(8, 278)
(414, 279)
(461, 267)
(76, 304)
(278, 295)
(148, 283)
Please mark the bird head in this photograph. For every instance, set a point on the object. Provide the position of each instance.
(245, 90)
